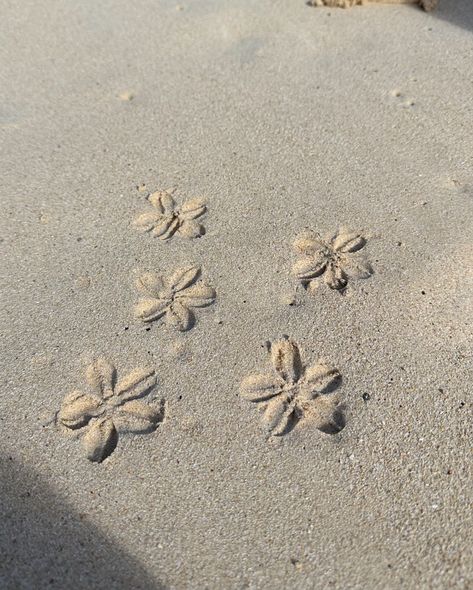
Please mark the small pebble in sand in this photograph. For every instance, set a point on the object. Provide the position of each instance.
(82, 282)
(126, 96)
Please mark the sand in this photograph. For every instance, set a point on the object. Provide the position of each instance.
(289, 427)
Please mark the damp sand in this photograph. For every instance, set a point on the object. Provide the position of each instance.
(283, 119)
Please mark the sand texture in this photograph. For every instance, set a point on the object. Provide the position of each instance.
(236, 295)
(427, 5)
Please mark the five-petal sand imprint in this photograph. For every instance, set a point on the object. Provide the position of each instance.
(173, 297)
(336, 258)
(112, 408)
(166, 219)
(292, 392)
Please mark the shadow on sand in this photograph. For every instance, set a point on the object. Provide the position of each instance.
(46, 544)
(458, 12)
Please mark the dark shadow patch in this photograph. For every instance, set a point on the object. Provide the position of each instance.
(108, 449)
(458, 12)
(45, 543)
(192, 319)
(336, 423)
(334, 384)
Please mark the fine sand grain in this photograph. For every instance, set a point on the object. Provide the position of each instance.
(237, 283)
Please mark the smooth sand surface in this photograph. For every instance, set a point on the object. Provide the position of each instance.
(281, 117)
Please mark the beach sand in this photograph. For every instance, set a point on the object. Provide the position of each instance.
(281, 118)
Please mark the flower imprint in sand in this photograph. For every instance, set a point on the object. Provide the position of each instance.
(292, 392)
(113, 408)
(334, 259)
(174, 297)
(167, 219)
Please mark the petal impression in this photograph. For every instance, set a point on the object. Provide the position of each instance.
(357, 266)
(335, 278)
(348, 241)
(166, 229)
(149, 310)
(279, 416)
(308, 244)
(321, 378)
(150, 283)
(163, 201)
(136, 384)
(77, 409)
(183, 277)
(190, 229)
(193, 208)
(179, 316)
(258, 388)
(286, 360)
(147, 221)
(101, 375)
(198, 295)
(100, 440)
(310, 267)
(136, 416)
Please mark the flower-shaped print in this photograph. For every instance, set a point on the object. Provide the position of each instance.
(112, 408)
(291, 392)
(166, 219)
(335, 259)
(174, 297)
